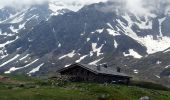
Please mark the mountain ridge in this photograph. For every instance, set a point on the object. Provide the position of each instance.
(91, 36)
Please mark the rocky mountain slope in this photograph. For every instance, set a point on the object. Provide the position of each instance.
(42, 38)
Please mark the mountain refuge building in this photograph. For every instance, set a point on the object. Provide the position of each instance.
(91, 73)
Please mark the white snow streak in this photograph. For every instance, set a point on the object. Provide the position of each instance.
(160, 26)
(57, 6)
(99, 30)
(3, 53)
(11, 70)
(36, 69)
(158, 62)
(112, 32)
(12, 28)
(59, 45)
(10, 60)
(81, 58)
(15, 69)
(115, 44)
(30, 63)
(157, 76)
(88, 39)
(67, 65)
(21, 26)
(147, 24)
(168, 50)
(136, 71)
(153, 45)
(71, 54)
(95, 49)
(24, 57)
(148, 41)
(132, 53)
(95, 62)
(8, 42)
(167, 66)
(110, 25)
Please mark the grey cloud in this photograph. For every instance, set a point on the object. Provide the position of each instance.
(138, 6)
(30, 2)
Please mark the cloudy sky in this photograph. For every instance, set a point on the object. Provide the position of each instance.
(131, 2)
(28, 2)
(133, 5)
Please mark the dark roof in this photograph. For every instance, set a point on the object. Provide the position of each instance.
(95, 69)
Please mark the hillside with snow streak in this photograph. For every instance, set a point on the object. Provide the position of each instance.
(41, 39)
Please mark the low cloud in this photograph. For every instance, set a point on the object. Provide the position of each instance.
(140, 7)
(135, 6)
(17, 3)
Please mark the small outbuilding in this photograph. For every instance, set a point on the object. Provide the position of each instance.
(91, 73)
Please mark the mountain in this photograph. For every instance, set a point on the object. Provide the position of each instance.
(43, 38)
(16, 23)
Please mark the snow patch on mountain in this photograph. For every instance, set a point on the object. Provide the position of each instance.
(56, 6)
(115, 44)
(59, 45)
(147, 24)
(88, 39)
(167, 66)
(30, 63)
(95, 49)
(16, 30)
(35, 69)
(136, 71)
(1, 32)
(99, 30)
(152, 45)
(167, 50)
(27, 55)
(95, 62)
(22, 26)
(67, 65)
(113, 32)
(3, 54)
(10, 60)
(18, 19)
(157, 76)
(13, 29)
(132, 53)
(71, 54)
(160, 25)
(158, 62)
(11, 70)
(7, 34)
(8, 42)
(81, 58)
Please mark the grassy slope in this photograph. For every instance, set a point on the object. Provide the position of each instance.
(40, 90)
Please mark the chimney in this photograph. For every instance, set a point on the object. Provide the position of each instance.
(98, 67)
(118, 69)
(105, 65)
